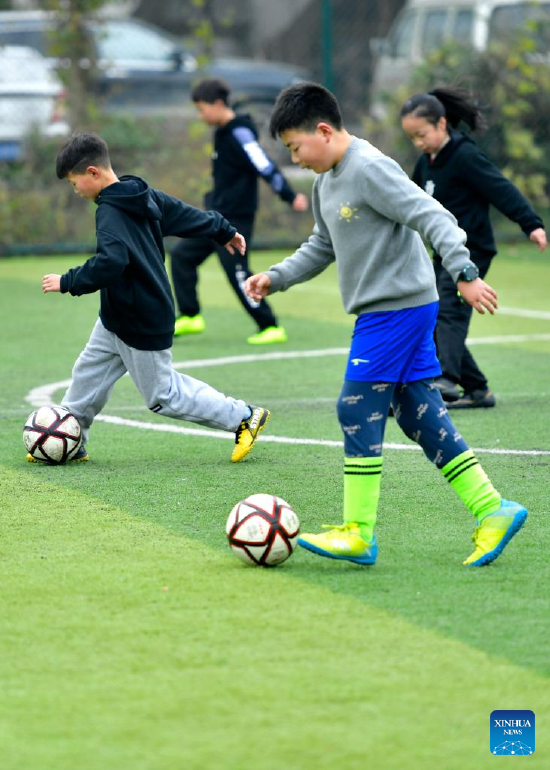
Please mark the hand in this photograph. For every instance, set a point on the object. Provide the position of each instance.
(51, 282)
(538, 236)
(257, 286)
(300, 202)
(479, 295)
(238, 242)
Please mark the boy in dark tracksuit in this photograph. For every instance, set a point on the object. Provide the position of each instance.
(462, 178)
(135, 328)
(237, 162)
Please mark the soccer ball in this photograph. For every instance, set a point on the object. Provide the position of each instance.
(52, 434)
(263, 530)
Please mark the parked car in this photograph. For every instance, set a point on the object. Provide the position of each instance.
(254, 81)
(31, 98)
(425, 25)
(139, 68)
(142, 69)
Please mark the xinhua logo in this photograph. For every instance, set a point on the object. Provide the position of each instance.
(512, 732)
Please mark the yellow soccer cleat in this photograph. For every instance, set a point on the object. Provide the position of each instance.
(186, 324)
(495, 532)
(248, 432)
(270, 336)
(341, 542)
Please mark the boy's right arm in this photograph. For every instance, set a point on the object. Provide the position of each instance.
(309, 260)
(313, 256)
(100, 270)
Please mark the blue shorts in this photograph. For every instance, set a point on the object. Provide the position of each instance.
(394, 346)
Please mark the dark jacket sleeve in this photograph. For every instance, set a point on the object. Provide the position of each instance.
(262, 163)
(186, 221)
(99, 271)
(485, 178)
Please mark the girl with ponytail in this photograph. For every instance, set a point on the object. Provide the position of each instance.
(462, 178)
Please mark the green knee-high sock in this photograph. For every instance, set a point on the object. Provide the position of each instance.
(362, 477)
(472, 485)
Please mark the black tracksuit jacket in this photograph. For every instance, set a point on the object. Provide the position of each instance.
(237, 162)
(136, 300)
(464, 180)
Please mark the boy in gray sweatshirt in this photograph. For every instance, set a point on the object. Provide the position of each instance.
(369, 219)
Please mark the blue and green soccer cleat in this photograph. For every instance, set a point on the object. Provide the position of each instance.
(495, 532)
(341, 542)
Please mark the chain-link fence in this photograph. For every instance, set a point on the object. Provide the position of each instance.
(128, 76)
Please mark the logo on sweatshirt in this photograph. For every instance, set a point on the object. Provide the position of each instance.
(347, 212)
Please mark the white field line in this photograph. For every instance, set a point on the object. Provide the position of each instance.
(520, 312)
(206, 433)
(43, 396)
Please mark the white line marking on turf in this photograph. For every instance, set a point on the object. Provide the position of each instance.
(508, 339)
(543, 315)
(207, 433)
(43, 394)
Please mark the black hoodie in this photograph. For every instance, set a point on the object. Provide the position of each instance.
(128, 269)
(237, 161)
(463, 179)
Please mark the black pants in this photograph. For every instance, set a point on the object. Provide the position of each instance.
(190, 253)
(451, 330)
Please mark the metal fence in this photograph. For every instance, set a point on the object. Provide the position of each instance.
(131, 82)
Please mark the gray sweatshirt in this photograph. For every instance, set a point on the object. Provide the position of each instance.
(368, 216)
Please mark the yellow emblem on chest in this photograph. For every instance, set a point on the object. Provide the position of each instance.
(347, 212)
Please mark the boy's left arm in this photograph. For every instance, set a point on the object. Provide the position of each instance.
(538, 237)
(390, 192)
(268, 169)
(186, 221)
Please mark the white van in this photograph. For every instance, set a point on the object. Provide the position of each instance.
(425, 25)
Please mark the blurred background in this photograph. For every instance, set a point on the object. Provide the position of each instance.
(125, 69)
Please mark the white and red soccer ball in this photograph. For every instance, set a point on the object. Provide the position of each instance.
(262, 530)
(52, 434)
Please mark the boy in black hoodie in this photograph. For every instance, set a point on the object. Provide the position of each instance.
(237, 162)
(136, 317)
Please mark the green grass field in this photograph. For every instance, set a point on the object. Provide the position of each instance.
(132, 639)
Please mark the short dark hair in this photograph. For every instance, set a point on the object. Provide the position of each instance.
(210, 90)
(80, 151)
(302, 106)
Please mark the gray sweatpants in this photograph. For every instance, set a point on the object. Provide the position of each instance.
(106, 358)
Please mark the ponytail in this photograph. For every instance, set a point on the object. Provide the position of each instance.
(454, 104)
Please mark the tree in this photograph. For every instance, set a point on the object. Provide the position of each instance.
(71, 44)
(511, 81)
